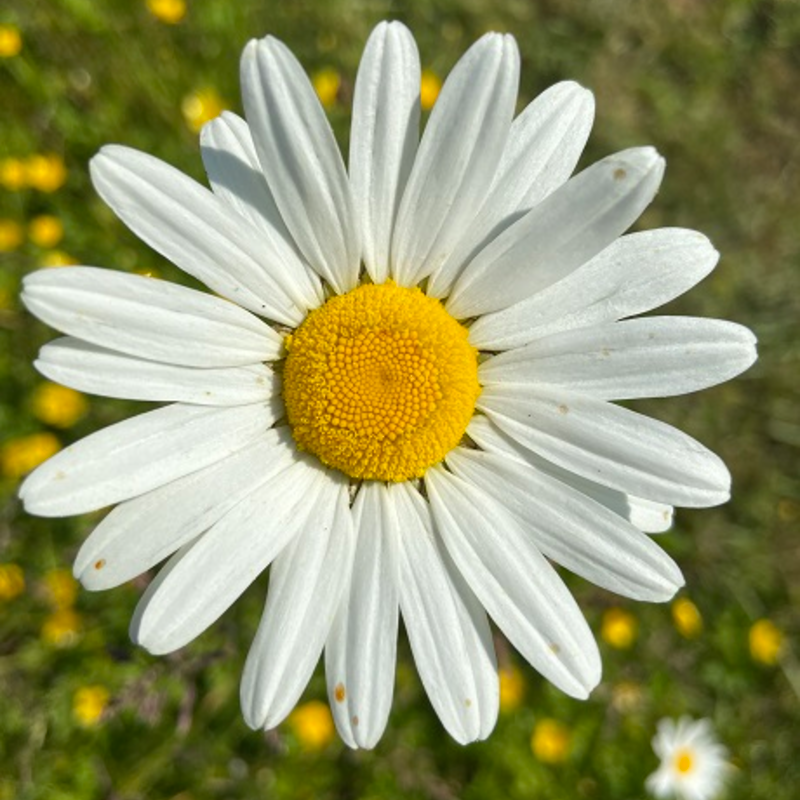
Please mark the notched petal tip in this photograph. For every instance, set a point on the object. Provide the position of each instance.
(249, 51)
(578, 96)
(108, 155)
(636, 162)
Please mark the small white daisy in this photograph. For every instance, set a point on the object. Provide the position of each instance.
(404, 409)
(693, 764)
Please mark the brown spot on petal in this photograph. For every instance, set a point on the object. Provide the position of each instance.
(100, 564)
(562, 409)
(619, 174)
(339, 693)
(555, 648)
(355, 721)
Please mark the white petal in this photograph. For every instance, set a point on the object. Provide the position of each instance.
(571, 529)
(636, 273)
(544, 145)
(447, 628)
(139, 455)
(92, 369)
(647, 515)
(235, 175)
(649, 357)
(198, 232)
(611, 445)
(305, 587)
(140, 533)
(147, 318)
(223, 562)
(301, 160)
(361, 650)
(564, 231)
(643, 514)
(457, 158)
(383, 138)
(519, 589)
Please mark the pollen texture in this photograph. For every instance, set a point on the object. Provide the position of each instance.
(380, 382)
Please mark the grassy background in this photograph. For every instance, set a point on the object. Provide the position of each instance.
(714, 86)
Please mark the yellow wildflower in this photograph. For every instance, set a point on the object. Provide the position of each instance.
(312, 724)
(766, 642)
(20, 456)
(45, 230)
(550, 741)
(619, 628)
(686, 617)
(61, 588)
(430, 87)
(12, 581)
(326, 83)
(45, 172)
(88, 705)
(201, 106)
(10, 235)
(62, 628)
(12, 174)
(57, 258)
(169, 11)
(10, 41)
(57, 405)
(512, 688)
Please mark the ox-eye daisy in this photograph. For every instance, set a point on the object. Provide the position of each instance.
(404, 407)
(693, 764)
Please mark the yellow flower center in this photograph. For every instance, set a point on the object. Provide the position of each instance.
(380, 382)
(684, 761)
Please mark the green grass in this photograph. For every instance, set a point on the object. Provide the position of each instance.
(713, 85)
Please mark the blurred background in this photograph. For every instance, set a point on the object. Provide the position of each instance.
(714, 86)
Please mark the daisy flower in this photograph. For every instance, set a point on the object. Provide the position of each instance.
(398, 394)
(693, 765)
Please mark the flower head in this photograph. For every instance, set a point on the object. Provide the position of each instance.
(88, 705)
(693, 764)
(12, 174)
(57, 258)
(766, 641)
(401, 398)
(687, 618)
(550, 741)
(61, 588)
(430, 86)
(58, 405)
(327, 82)
(12, 581)
(312, 724)
(512, 688)
(10, 41)
(46, 230)
(45, 172)
(619, 628)
(169, 11)
(201, 106)
(20, 456)
(62, 628)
